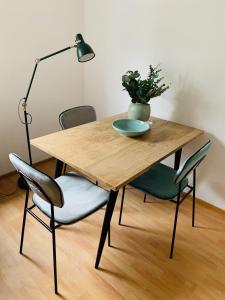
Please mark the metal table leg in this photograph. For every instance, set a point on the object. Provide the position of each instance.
(106, 224)
(58, 168)
(177, 159)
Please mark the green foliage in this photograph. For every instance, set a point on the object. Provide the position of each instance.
(141, 91)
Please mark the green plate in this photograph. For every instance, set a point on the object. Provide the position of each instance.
(129, 127)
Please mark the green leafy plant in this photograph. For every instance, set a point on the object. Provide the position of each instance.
(141, 91)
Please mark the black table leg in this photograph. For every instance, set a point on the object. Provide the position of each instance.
(58, 168)
(177, 159)
(106, 223)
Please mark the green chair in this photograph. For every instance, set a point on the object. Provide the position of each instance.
(166, 183)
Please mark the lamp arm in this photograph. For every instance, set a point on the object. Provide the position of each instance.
(30, 84)
(55, 53)
(35, 68)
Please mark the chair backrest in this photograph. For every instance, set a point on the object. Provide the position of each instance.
(191, 162)
(77, 116)
(40, 183)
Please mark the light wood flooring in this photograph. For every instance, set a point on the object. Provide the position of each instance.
(137, 266)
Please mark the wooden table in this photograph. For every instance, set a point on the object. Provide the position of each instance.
(111, 160)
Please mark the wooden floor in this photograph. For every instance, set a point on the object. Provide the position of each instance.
(136, 267)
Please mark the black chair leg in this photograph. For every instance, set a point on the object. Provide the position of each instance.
(109, 237)
(51, 223)
(121, 206)
(54, 250)
(24, 220)
(145, 198)
(175, 225)
(64, 169)
(193, 198)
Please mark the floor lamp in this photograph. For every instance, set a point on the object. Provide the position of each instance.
(84, 53)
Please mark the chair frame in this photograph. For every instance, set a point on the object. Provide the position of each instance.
(178, 201)
(71, 109)
(51, 227)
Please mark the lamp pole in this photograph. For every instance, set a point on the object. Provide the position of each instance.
(24, 102)
(84, 53)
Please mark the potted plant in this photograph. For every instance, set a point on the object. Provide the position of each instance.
(142, 91)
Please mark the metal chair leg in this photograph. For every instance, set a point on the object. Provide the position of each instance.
(145, 198)
(64, 169)
(109, 237)
(193, 198)
(175, 225)
(51, 223)
(24, 220)
(54, 249)
(121, 206)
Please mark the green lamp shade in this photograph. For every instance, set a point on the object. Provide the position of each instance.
(84, 51)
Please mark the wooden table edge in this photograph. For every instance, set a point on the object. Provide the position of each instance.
(106, 185)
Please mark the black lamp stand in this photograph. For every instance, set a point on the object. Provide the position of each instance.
(21, 183)
(84, 54)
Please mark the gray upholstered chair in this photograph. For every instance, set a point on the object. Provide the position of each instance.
(76, 116)
(65, 200)
(165, 183)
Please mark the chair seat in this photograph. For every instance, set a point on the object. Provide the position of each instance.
(81, 198)
(159, 182)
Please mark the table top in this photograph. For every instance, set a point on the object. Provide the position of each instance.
(98, 152)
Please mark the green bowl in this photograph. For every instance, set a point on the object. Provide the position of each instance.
(129, 127)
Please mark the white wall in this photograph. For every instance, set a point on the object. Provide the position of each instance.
(187, 37)
(31, 29)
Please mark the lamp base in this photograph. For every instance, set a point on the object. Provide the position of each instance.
(22, 184)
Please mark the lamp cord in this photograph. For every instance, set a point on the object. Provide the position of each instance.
(20, 107)
(4, 195)
(8, 194)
